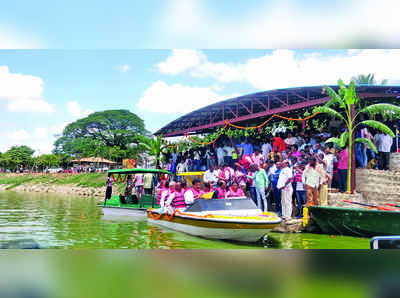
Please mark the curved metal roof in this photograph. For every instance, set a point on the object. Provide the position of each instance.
(257, 106)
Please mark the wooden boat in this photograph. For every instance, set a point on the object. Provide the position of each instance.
(356, 221)
(124, 206)
(227, 219)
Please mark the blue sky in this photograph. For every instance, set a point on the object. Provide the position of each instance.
(165, 24)
(43, 90)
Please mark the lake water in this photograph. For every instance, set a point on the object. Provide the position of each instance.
(60, 221)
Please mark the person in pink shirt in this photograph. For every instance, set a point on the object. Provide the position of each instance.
(342, 169)
(220, 192)
(234, 191)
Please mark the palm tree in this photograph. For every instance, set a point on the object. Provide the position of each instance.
(155, 147)
(368, 79)
(346, 100)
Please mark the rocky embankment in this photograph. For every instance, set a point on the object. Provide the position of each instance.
(60, 189)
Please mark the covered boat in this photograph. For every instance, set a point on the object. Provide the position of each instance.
(236, 219)
(131, 204)
(356, 221)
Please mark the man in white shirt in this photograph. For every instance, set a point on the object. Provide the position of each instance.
(220, 155)
(290, 141)
(210, 176)
(266, 149)
(285, 185)
(329, 159)
(384, 143)
(228, 155)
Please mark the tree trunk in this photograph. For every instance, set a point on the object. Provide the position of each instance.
(353, 153)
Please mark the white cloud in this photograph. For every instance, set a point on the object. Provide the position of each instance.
(282, 68)
(76, 110)
(40, 139)
(19, 136)
(176, 98)
(123, 67)
(22, 92)
(181, 60)
(281, 24)
(11, 39)
(30, 105)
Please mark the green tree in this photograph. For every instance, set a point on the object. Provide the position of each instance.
(155, 147)
(95, 134)
(368, 79)
(346, 101)
(18, 156)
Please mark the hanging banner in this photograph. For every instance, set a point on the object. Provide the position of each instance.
(129, 163)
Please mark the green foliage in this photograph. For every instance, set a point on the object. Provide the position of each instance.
(108, 134)
(155, 147)
(83, 179)
(17, 156)
(388, 111)
(340, 142)
(367, 142)
(379, 126)
(368, 79)
(327, 110)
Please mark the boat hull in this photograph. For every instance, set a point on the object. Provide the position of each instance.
(355, 221)
(212, 229)
(122, 212)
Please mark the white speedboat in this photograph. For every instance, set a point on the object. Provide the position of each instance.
(226, 219)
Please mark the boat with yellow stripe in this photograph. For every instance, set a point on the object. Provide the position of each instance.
(236, 219)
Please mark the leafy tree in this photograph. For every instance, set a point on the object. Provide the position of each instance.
(18, 156)
(346, 100)
(98, 133)
(368, 79)
(155, 147)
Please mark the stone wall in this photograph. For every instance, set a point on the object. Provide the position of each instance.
(379, 187)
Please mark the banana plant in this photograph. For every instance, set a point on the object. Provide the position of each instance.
(344, 101)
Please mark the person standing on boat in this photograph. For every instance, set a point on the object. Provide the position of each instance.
(226, 174)
(220, 192)
(312, 179)
(261, 181)
(139, 185)
(129, 185)
(285, 185)
(193, 193)
(109, 188)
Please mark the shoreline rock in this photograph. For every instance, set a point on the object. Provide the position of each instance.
(61, 189)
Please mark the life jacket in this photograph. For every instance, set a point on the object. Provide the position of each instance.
(160, 194)
(179, 200)
(221, 193)
(238, 193)
(196, 194)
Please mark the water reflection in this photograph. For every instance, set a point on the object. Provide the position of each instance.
(61, 221)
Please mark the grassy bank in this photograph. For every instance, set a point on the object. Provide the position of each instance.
(84, 179)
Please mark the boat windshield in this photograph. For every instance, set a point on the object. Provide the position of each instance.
(200, 205)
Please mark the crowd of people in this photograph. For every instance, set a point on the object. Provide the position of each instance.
(281, 172)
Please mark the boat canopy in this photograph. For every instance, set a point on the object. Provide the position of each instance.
(191, 174)
(138, 171)
(221, 204)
